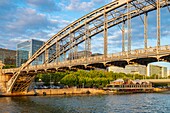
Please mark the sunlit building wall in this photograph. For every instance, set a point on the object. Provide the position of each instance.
(161, 71)
(135, 69)
(129, 69)
(8, 57)
(168, 73)
(116, 69)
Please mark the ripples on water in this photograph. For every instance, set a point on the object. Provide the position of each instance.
(134, 103)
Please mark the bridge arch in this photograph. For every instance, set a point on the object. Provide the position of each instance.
(100, 20)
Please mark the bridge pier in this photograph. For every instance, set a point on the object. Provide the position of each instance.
(2, 79)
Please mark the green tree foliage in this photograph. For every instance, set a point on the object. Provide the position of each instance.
(9, 66)
(82, 78)
(91, 78)
(70, 80)
(53, 77)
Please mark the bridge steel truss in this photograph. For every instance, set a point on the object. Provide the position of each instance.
(98, 21)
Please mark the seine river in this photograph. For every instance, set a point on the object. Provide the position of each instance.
(131, 103)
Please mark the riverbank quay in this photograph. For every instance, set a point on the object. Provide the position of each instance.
(69, 91)
(137, 90)
(129, 90)
(161, 90)
(64, 91)
(79, 91)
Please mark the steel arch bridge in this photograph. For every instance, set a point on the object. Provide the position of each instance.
(55, 51)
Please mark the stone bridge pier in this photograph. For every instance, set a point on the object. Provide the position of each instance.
(2, 79)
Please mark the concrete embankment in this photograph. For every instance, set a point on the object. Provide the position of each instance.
(69, 91)
(161, 89)
(66, 91)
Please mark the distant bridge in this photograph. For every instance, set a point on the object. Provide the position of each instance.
(68, 40)
(140, 56)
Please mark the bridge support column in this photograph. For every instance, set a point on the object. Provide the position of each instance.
(123, 36)
(65, 56)
(75, 52)
(1, 66)
(46, 55)
(145, 30)
(2, 79)
(129, 25)
(105, 33)
(158, 24)
(71, 46)
(57, 51)
(87, 41)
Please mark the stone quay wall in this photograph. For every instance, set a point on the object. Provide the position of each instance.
(69, 91)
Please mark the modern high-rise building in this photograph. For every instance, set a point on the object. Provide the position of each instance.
(8, 57)
(161, 71)
(26, 49)
(135, 69)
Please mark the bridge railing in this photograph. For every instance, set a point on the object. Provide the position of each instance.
(166, 47)
(11, 70)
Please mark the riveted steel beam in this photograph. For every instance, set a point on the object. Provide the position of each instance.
(145, 30)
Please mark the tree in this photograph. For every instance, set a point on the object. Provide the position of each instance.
(70, 80)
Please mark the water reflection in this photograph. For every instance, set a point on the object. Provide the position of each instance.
(134, 103)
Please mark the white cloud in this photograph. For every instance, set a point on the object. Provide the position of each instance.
(18, 39)
(27, 19)
(44, 5)
(77, 5)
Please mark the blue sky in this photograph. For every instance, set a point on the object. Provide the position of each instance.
(21, 20)
(39, 19)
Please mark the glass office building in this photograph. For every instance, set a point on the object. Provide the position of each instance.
(26, 49)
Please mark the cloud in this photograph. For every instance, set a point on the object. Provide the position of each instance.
(26, 22)
(41, 19)
(77, 5)
(44, 5)
(23, 23)
(18, 39)
(27, 19)
(8, 8)
(165, 33)
(2, 46)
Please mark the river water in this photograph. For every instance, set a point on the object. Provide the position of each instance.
(131, 103)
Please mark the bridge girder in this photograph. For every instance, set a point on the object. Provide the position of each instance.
(79, 67)
(120, 63)
(97, 65)
(143, 61)
(165, 58)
